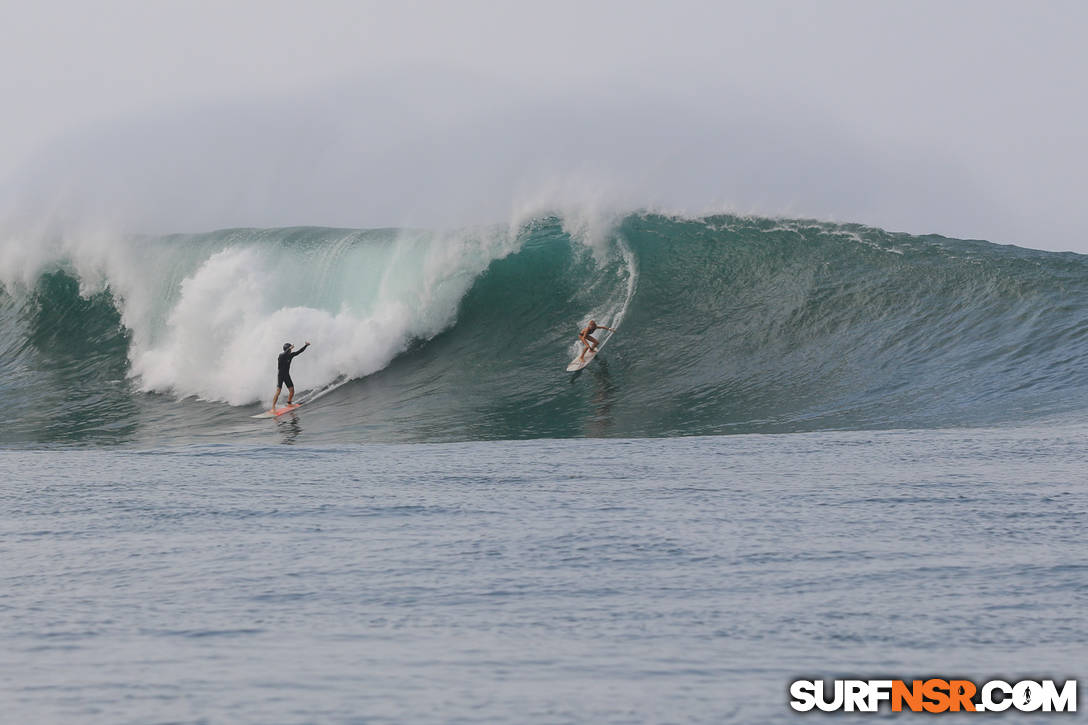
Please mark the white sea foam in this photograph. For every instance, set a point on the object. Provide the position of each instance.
(208, 314)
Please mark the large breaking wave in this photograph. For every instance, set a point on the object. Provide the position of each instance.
(726, 324)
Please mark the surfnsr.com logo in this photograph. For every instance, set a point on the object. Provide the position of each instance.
(933, 695)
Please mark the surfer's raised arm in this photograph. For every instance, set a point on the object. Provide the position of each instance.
(300, 350)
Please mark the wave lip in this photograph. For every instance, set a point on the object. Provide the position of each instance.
(726, 324)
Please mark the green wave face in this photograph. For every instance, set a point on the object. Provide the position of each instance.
(725, 325)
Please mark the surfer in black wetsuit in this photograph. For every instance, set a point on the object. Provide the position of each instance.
(586, 338)
(284, 375)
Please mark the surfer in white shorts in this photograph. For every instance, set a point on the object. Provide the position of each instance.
(586, 338)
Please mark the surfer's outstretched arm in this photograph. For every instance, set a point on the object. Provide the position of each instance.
(300, 350)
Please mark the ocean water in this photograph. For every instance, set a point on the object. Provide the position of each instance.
(810, 450)
(580, 581)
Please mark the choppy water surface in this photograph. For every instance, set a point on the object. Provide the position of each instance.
(582, 581)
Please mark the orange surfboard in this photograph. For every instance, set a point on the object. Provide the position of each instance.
(277, 412)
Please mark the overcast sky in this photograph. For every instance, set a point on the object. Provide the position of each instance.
(960, 118)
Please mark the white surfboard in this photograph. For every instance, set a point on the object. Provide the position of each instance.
(578, 364)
